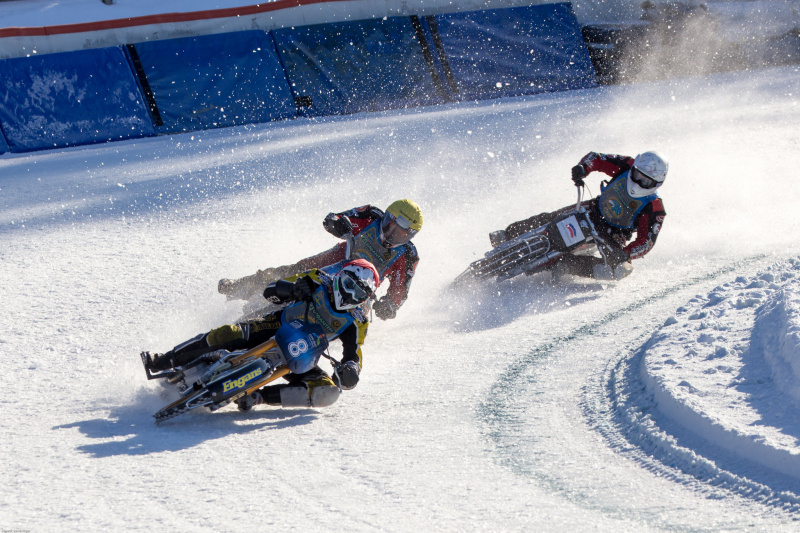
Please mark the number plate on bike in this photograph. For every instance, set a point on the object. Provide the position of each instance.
(570, 231)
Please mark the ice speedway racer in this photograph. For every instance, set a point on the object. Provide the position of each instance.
(540, 249)
(234, 363)
(591, 239)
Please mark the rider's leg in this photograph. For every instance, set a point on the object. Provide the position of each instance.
(523, 226)
(248, 286)
(312, 389)
(240, 336)
(515, 229)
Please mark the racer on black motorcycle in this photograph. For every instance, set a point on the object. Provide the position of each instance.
(627, 203)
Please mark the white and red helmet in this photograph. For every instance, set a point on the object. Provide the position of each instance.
(648, 174)
(354, 284)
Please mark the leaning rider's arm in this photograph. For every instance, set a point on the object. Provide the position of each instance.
(359, 217)
(284, 290)
(401, 274)
(352, 338)
(610, 164)
(362, 216)
(648, 226)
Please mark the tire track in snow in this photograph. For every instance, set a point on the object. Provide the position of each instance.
(615, 405)
(618, 406)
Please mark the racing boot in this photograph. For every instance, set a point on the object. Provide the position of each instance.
(496, 238)
(178, 356)
(246, 287)
(156, 362)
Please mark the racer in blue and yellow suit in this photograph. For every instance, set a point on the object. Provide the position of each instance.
(310, 296)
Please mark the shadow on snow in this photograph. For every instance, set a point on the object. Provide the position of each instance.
(489, 304)
(129, 431)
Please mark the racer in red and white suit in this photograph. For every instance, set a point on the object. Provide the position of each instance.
(383, 238)
(628, 204)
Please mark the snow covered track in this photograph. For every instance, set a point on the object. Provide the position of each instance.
(522, 415)
(510, 407)
(630, 419)
(712, 408)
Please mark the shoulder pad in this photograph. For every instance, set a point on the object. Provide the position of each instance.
(365, 211)
(658, 204)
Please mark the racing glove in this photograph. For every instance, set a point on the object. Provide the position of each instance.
(347, 373)
(336, 225)
(278, 291)
(303, 289)
(578, 173)
(385, 308)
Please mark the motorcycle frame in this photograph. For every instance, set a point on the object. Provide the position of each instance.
(537, 245)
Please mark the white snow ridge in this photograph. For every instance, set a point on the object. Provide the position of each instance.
(726, 367)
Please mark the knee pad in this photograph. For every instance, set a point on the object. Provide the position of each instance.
(191, 344)
(224, 334)
(324, 396)
(623, 270)
(318, 392)
(605, 272)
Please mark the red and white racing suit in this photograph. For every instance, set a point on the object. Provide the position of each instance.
(396, 264)
(646, 224)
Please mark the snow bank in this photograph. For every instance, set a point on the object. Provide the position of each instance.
(776, 337)
(726, 367)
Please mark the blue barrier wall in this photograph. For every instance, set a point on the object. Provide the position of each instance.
(366, 65)
(213, 81)
(3, 143)
(514, 51)
(70, 98)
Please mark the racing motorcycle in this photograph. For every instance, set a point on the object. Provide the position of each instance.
(215, 379)
(539, 249)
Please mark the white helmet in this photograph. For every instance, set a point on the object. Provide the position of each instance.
(354, 284)
(648, 174)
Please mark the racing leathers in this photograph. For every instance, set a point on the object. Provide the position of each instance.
(398, 264)
(616, 217)
(314, 388)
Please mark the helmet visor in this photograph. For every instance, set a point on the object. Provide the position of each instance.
(642, 180)
(396, 230)
(352, 290)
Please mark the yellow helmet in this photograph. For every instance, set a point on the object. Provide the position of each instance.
(401, 222)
